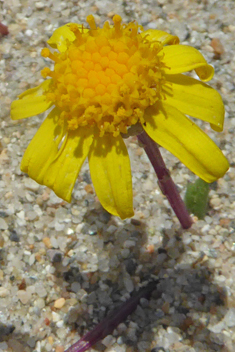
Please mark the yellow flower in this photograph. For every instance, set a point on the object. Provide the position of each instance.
(105, 82)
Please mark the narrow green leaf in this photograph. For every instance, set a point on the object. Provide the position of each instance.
(196, 198)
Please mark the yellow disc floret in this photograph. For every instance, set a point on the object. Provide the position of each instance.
(107, 77)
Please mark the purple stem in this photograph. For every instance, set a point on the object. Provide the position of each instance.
(166, 183)
(117, 316)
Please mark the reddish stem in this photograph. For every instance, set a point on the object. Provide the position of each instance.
(106, 326)
(166, 183)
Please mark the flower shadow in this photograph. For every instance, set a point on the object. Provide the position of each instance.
(183, 312)
(182, 309)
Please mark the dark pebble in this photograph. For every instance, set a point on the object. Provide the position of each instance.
(105, 217)
(14, 236)
(86, 178)
(2, 254)
(161, 250)
(135, 222)
(73, 275)
(57, 258)
(5, 330)
(135, 234)
(213, 186)
(7, 56)
(130, 266)
(92, 232)
(55, 255)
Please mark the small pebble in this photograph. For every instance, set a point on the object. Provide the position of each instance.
(59, 303)
(60, 324)
(31, 184)
(108, 341)
(39, 303)
(3, 224)
(39, 5)
(217, 46)
(28, 32)
(57, 258)
(72, 315)
(215, 202)
(40, 290)
(128, 284)
(217, 328)
(47, 242)
(24, 296)
(3, 346)
(59, 349)
(14, 236)
(15, 345)
(89, 189)
(229, 318)
(135, 222)
(31, 342)
(4, 292)
(50, 340)
(31, 215)
(55, 317)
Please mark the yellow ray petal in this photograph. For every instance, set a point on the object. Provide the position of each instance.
(196, 99)
(183, 58)
(63, 171)
(43, 148)
(31, 102)
(61, 35)
(153, 35)
(171, 129)
(111, 175)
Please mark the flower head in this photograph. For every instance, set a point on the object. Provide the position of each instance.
(106, 77)
(106, 82)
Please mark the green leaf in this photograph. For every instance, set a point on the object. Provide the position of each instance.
(196, 198)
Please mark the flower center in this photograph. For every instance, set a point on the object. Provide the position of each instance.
(107, 77)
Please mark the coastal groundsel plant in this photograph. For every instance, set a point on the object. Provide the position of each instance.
(108, 83)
